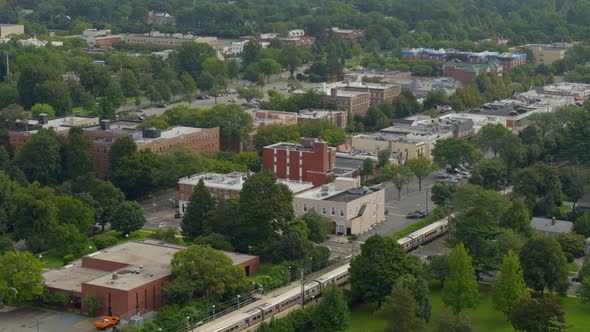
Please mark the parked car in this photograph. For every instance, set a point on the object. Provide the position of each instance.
(416, 215)
(106, 321)
(162, 105)
(232, 100)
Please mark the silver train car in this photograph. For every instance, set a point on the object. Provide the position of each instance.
(264, 311)
(424, 234)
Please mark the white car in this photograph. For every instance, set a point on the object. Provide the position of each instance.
(232, 100)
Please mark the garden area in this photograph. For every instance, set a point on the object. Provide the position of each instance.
(483, 318)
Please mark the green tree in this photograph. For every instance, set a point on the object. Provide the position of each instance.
(205, 81)
(373, 273)
(572, 244)
(102, 196)
(189, 57)
(421, 293)
(491, 137)
(30, 75)
(489, 173)
(66, 239)
(532, 314)
(272, 134)
(582, 225)
(251, 52)
(269, 67)
(265, 207)
(128, 217)
(438, 267)
(290, 58)
(383, 157)
(421, 168)
(233, 69)
(92, 303)
(56, 94)
(398, 175)
(400, 311)
(42, 109)
(137, 174)
(318, 226)
(196, 217)
(73, 212)
(448, 322)
(574, 182)
(122, 147)
(213, 66)
(368, 167)
(76, 155)
(207, 271)
(20, 275)
(539, 185)
(154, 121)
(40, 158)
(517, 218)
(249, 93)
(509, 288)
(434, 98)
(129, 83)
(233, 122)
(333, 136)
(453, 152)
(188, 86)
(544, 264)
(461, 290)
(332, 313)
(33, 213)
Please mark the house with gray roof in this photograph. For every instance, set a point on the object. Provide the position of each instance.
(551, 227)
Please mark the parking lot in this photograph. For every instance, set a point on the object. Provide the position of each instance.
(41, 320)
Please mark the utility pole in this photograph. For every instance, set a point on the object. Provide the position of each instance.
(427, 188)
(7, 67)
(302, 290)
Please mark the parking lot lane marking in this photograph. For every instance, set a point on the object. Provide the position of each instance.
(85, 324)
(45, 316)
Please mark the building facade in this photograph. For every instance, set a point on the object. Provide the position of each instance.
(339, 118)
(378, 93)
(352, 209)
(126, 278)
(310, 161)
(7, 30)
(353, 102)
(155, 38)
(548, 53)
(225, 186)
(465, 72)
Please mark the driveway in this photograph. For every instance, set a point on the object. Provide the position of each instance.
(42, 320)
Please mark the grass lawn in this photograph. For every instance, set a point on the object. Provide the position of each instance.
(137, 235)
(484, 318)
(362, 319)
(52, 260)
(572, 267)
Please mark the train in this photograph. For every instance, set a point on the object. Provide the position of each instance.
(313, 289)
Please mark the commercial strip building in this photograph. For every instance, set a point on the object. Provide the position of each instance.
(506, 60)
(339, 118)
(226, 186)
(102, 38)
(352, 208)
(156, 38)
(126, 278)
(311, 160)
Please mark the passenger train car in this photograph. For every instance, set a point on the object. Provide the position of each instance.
(252, 317)
(314, 288)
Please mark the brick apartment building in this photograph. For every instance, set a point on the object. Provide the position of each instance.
(378, 93)
(201, 140)
(348, 34)
(127, 278)
(353, 102)
(507, 60)
(465, 72)
(225, 186)
(104, 134)
(311, 160)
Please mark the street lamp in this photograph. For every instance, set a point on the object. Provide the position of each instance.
(238, 296)
(188, 322)
(213, 306)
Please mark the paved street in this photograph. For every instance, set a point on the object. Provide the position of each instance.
(34, 319)
(159, 210)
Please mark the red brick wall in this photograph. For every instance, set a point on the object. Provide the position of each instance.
(99, 264)
(253, 264)
(459, 74)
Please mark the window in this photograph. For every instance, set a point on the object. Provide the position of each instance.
(333, 210)
(341, 213)
(323, 210)
(296, 207)
(304, 207)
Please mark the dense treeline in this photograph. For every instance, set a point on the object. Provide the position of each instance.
(530, 21)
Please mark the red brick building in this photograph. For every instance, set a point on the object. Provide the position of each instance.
(310, 161)
(378, 93)
(465, 72)
(127, 278)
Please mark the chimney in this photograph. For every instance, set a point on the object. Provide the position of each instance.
(43, 119)
(553, 221)
(105, 124)
(115, 276)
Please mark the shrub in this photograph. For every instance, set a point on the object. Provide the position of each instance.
(104, 241)
(68, 258)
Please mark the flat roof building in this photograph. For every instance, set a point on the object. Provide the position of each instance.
(548, 53)
(339, 118)
(353, 102)
(127, 277)
(352, 208)
(225, 186)
(7, 30)
(155, 38)
(551, 227)
(311, 160)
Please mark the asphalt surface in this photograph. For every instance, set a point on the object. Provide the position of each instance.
(25, 319)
